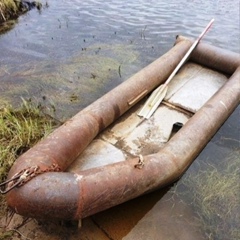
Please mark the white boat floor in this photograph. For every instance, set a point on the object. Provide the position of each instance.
(193, 86)
(132, 136)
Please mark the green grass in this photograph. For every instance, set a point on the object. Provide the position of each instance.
(20, 129)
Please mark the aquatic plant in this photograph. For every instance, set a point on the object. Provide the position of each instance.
(74, 83)
(214, 195)
(20, 129)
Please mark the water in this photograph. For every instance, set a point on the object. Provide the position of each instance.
(43, 54)
(70, 54)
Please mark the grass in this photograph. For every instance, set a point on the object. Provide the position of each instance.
(13, 8)
(20, 129)
(7, 8)
(214, 195)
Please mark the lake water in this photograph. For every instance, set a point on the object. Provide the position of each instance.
(72, 52)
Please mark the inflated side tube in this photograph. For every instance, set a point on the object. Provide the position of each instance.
(221, 60)
(66, 195)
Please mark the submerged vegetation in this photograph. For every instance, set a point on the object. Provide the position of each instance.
(74, 83)
(20, 129)
(214, 196)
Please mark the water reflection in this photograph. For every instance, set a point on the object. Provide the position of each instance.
(50, 56)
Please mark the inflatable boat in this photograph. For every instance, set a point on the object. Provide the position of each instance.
(106, 154)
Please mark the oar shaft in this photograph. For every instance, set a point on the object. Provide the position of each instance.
(159, 93)
(189, 52)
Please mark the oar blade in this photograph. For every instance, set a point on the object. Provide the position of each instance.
(158, 95)
(147, 105)
(153, 102)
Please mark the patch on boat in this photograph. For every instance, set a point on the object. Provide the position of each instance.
(194, 82)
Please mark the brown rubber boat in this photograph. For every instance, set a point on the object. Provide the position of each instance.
(106, 154)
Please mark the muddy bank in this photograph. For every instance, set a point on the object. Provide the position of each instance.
(10, 9)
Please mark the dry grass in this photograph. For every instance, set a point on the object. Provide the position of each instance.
(7, 8)
(13, 8)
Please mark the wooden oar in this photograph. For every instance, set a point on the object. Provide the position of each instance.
(159, 94)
